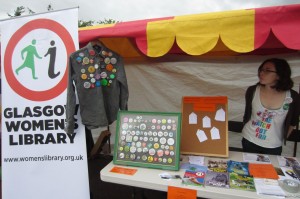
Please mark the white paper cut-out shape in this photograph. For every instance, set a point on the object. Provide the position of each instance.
(214, 133)
(193, 118)
(220, 115)
(206, 122)
(201, 135)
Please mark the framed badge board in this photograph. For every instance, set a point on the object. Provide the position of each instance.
(204, 126)
(148, 139)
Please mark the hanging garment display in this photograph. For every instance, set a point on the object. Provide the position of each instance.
(97, 76)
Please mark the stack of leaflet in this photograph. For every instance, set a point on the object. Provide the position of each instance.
(217, 175)
(239, 176)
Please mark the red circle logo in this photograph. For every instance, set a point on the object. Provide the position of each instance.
(17, 36)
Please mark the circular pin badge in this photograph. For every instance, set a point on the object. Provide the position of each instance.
(144, 144)
(163, 140)
(170, 160)
(83, 76)
(171, 147)
(143, 127)
(112, 76)
(121, 155)
(91, 61)
(82, 70)
(156, 145)
(125, 126)
(152, 152)
(98, 84)
(139, 150)
(126, 148)
(96, 66)
(171, 134)
(154, 133)
(109, 67)
(153, 121)
(132, 149)
(92, 75)
(169, 121)
(114, 70)
(135, 138)
(162, 146)
(155, 139)
(160, 153)
(78, 59)
(145, 150)
(107, 60)
(149, 145)
(171, 141)
(123, 137)
(86, 60)
(164, 160)
(110, 54)
(103, 52)
(92, 52)
(93, 80)
(86, 84)
(172, 153)
(166, 133)
(150, 159)
(160, 159)
(144, 157)
(104, 82)
(169, 127)
(121, 148)
(163, 127)
(132, 156)
(138, 144)
(167, 152)
(81, 54)
(91, 69)
(163, 121)
(160, 134)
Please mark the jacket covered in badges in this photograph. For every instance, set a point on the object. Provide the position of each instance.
(98, 76)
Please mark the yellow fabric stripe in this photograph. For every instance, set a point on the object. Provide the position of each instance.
(198, 34)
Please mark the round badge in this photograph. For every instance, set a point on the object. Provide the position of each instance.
(96, 66)
(152, 152)
(103, 52)
(167, 152)
(109, 67)
(82, 70)
(107, 60)
(155, 139)
(144, 157)
(125, 126)
(91, 69)
(92, 52)
(83, 76)
(78, 59)
(132, 156)
(172, 153)
(98, 84)
(160, 153)
(91, 61)
(121, 155)
(121, 148)
(150, 159)
(163, 140)
(86, 60)
(138, 144)
(170, 160)
(110, 54)
(92, 75)
(166, 133)
(171, 141)
(126, 148)
(154, 133)
(93, 80)
(132, 149)
(163, 121)
(112, 76)
(145, 150)
(86, 84)
(139, 150)
(97, 76)
(156, 145)
(143, 127)
(104, 82)
(113, 60)
(160, 134)
(81, 54)
(114, 70)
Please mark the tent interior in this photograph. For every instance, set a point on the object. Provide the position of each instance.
(212, 54)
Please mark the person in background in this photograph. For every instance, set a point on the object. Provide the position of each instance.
(272, 109)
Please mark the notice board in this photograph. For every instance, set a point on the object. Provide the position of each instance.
(204, 126)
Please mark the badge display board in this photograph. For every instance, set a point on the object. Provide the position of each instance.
(148, 139)
(204, 126)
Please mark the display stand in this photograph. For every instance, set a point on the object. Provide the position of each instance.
(104, 138)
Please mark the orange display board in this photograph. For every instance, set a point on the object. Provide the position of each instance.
(204, 126)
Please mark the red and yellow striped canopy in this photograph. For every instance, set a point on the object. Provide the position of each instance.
(252, 31)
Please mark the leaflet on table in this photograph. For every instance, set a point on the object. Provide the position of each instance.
(217, 165)
(256, 158)
(241, 168)
(242, 182)
(268, 187)
(289, 173)
(217, 179)
(284, 161)
(263, 171)
(195, 176)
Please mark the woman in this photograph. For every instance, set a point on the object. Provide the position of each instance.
(272, 109)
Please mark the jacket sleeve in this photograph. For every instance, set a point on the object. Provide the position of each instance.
(71, 101)
(124, 92)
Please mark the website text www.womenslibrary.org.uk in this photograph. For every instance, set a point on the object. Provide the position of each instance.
(45, 158)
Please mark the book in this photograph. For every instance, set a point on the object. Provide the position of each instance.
(217, 179)
(241, 168)
(195, 177)
(242, 182)
(284, 161)
(217, 165)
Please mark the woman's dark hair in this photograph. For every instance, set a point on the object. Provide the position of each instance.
(283, 70)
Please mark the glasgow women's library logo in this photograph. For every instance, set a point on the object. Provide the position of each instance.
(36, 59)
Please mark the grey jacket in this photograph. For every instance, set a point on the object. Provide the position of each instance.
(98, 75)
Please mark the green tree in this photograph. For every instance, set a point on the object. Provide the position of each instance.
(82, 23)
(18, 12)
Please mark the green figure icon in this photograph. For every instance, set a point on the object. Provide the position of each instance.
(29, 59)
